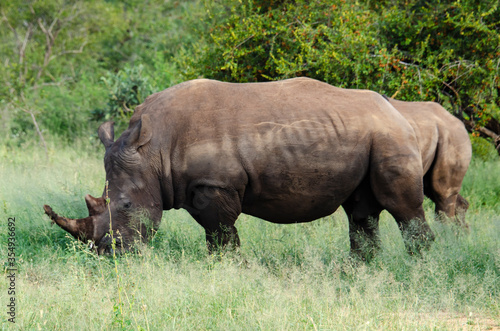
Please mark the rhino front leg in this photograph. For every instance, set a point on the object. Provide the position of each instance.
(452, 208)
(216, 210)
(364, 235)
(363, 212)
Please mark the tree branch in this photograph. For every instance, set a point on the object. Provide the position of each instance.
(62, 81)
(37, 130)
(454, 91)
(6, 20)
(492, 135)
(22, 50)
(74, 51)
(485, 132)
(488, 133)
(49, 43)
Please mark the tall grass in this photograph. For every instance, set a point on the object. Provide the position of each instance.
(293, 276)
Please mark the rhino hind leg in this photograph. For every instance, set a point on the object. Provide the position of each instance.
(442, 188)
(443, 180)
(452, 208)
(461, 210)
(216, 210)
(363, 212)
(399, 190)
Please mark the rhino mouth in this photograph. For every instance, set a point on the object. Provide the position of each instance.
(109, 246)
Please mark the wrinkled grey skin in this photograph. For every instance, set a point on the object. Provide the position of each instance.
(287, 151)
(446, 154)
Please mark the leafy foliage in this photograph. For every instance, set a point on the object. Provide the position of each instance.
(48, 53)
(128, 88)
(482, 149)
(460, 49)
(54, 54)
(50, 42)
(447, 51)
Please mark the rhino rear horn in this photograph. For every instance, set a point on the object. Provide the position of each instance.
(95, 206)
(81, 229)
(106, 133)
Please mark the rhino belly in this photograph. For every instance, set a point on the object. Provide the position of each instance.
(291, 197)
(299, 209)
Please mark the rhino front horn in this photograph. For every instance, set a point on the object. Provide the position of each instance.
(81, 229)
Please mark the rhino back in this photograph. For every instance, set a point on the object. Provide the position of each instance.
(434, 126)
(286, 147)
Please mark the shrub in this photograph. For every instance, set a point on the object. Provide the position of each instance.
(482, 149)
(447, 52)
(127, 89)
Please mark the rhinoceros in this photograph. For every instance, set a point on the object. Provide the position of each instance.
(286, 151)
(446, 154)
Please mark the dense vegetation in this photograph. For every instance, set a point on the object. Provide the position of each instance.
(67, 62)
(66, 66)
(447, 51)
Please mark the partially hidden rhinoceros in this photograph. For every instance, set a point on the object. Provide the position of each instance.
(446, 154)
(286, 151)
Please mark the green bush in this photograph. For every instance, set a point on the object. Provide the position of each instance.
(54, 54)
(482, 149)
(446, 52)
(127, 89)
(61, 112)
(455, 45)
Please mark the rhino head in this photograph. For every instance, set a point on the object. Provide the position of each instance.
(131, 204)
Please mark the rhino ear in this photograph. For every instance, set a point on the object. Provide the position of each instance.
(142, 132)
(106, 133)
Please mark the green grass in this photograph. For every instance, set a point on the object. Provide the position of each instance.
(294, 276)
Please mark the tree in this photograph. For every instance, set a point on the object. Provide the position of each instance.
(460, 43)
(446, 51)
(60, 59)
(46, 44)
